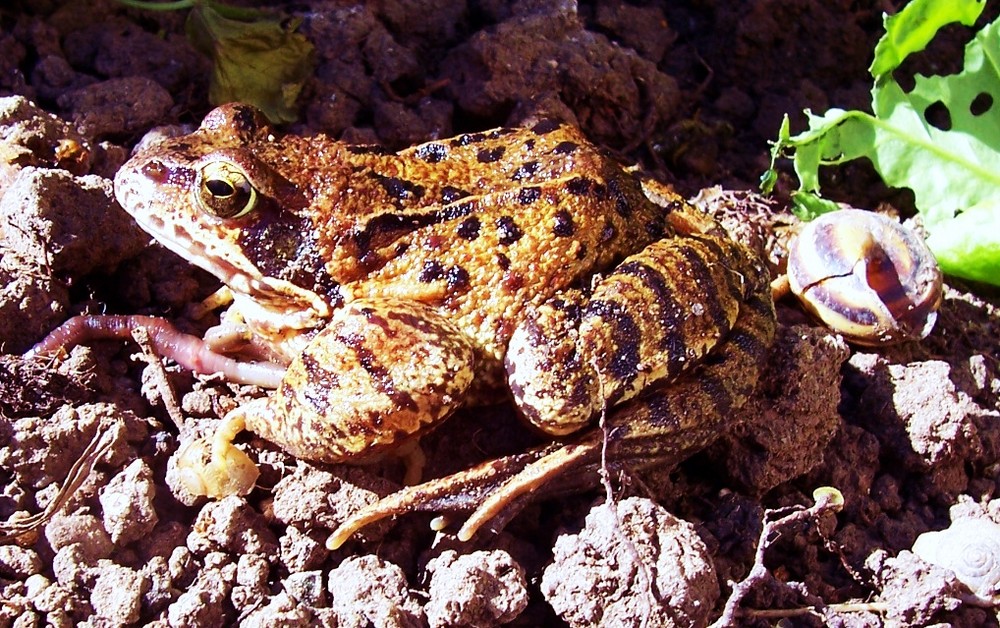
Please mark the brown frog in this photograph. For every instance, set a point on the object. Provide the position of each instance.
(379, 291)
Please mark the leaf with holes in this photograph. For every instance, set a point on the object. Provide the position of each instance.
(968, 245)
(913, 28)
(941, 140)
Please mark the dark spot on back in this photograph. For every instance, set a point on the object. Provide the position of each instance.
(528, 195)
(458, 278)
(508, 230)
(525, 170)
(469, 228)
(245, 120)
(579, 185)
(490, 155)
(468, 138)
(622, 205)
(431, 271)
(503, 261)
(563, 226)
(451, 212)
(565, 148)
(546, 126)
(432, 153)
(399, 189)
(450, 194)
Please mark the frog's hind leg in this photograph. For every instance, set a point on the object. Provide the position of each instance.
(659, 427)
(654, 317)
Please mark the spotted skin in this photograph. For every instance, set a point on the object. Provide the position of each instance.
(399, 366)
(398, 286)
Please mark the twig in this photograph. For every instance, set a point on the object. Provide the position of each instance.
(159, 377)
(829, 500)
(642, 568)
(17, 527)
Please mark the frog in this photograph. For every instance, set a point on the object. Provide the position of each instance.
(377, 292)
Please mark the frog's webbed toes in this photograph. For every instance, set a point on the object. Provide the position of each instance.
(495, 490)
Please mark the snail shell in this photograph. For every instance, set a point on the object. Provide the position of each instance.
(865, 276)
(971, 549)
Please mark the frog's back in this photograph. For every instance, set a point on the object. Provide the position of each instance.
(485, 224)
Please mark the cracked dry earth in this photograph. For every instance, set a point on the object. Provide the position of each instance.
(908, 434)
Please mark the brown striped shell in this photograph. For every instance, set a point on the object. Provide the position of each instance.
(865, 276)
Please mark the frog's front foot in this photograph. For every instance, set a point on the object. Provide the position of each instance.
(214, 467)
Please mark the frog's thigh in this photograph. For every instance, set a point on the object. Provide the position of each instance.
(381, 372)
(657, 313)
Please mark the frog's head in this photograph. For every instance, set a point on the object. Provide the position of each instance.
(215, 198)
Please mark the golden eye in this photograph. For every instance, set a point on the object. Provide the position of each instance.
(225, 191)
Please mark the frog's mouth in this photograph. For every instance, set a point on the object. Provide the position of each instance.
(277, 300)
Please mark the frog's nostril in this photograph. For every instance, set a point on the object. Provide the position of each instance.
(155, 171)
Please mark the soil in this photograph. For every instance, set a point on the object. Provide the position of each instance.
(692, 92)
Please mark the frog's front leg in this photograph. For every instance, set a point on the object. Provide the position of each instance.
(382, 372)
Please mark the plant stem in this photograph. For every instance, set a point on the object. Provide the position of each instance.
(155, 5)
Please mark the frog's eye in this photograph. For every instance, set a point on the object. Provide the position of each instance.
(225, 191)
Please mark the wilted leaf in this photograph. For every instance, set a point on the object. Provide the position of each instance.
(258, 58)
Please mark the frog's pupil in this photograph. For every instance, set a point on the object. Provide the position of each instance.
(218, 187)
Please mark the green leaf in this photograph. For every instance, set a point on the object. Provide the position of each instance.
(950, 160)
(948, 170)
(912, 29)
(258, 58)
(807, 206)
(968, 245)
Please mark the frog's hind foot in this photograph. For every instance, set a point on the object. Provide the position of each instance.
(494, 491)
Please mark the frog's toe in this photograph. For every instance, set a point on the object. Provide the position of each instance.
(494, 491)
(206, 469)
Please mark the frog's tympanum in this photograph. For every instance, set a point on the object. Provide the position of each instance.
(379, 291)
